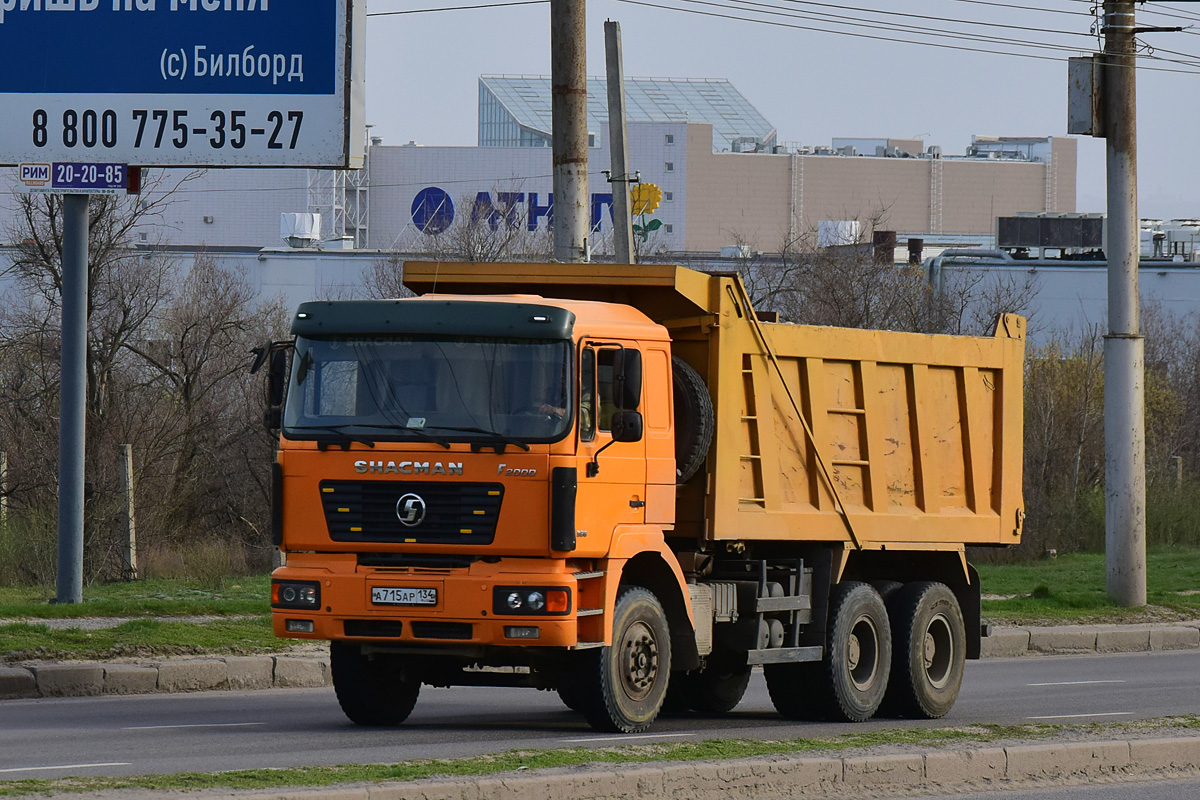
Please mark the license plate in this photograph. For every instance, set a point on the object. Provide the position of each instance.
(399, 596)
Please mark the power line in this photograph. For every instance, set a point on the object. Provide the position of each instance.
(855, 22)
(896, 29)
(1025, 8)
(913, 16)
(457, 8)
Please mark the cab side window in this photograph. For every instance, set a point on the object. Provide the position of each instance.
(587, 395)
(604, 386)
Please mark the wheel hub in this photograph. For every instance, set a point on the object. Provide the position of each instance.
(639, 657)
(862, 652)
(938, 651)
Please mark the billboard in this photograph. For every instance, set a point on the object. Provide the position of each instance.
(182, 83)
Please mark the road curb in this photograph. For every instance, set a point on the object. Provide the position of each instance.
(782, 776)
(82, 679)
(1007, 642)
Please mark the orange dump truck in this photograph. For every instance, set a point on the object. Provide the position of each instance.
(617, 483)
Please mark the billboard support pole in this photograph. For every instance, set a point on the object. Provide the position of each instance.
(73, 399)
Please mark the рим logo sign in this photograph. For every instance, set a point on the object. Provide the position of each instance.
(35, 174)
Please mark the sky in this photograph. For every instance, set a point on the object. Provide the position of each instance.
(812, 82)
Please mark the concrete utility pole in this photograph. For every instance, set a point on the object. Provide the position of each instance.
(72, 399)
(1124, 370)
(568, 110)
(618, 145)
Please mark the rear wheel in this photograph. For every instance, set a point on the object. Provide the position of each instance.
(930, 650)
(627, 681)
(858, 659)
(371, 690)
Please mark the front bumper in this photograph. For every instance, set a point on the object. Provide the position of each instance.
(464, 614)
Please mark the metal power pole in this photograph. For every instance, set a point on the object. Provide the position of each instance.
(618, 145)
(568, 87)
(1124, 387)
(73, 399)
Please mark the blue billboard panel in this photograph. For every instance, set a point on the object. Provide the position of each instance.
(187, 83)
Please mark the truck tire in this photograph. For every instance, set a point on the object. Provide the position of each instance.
(681, 693)
(627, 681)
(693, 419)
(370, 691)
(719, 688)
(858, 657)
(795, 689)
(929, 658)
(572, 695)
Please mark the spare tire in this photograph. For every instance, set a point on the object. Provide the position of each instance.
(693, 419)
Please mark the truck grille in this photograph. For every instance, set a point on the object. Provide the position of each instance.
(442, 513)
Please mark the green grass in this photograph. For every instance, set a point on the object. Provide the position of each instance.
(149, 598)
(715, 749)
(1071, 588)
(140, 637)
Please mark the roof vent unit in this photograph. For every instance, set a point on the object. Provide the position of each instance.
(848, 150)
(934, 151)
(838, 232)
(300, 230)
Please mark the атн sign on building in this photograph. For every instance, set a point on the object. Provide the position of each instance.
(253, 83)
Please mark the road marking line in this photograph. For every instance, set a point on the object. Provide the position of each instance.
(627, 738)
(69, 766)
(196, 725)
(1072, 683)
(1079, 716)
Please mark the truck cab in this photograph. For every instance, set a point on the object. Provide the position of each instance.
(456, 474)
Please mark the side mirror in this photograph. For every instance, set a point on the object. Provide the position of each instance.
(627, 380)
(627, 426)
(277, 378)
(274, 356)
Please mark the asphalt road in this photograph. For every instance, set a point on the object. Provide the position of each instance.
(217, 731)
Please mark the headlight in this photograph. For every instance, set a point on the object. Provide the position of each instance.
(296, 594)
(531, 600)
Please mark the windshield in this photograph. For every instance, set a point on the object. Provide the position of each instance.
(429, 388)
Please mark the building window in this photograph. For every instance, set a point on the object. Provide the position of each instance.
(670, 166)
(668, 228)
(668, 197)
(591, 139)
(670, 138)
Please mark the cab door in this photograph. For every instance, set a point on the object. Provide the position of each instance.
(611, 475)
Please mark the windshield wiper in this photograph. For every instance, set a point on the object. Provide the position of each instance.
(334, 429)
(417, 432)
(493, 435)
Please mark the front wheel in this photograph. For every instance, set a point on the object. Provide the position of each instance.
(930, 650)
(628, 680)
(371, 690)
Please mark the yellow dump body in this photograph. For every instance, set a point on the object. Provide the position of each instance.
(878, 439)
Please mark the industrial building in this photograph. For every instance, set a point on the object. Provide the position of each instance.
(726, 177)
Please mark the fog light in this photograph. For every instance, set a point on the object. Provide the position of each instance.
(299, 626)
(521, 632)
